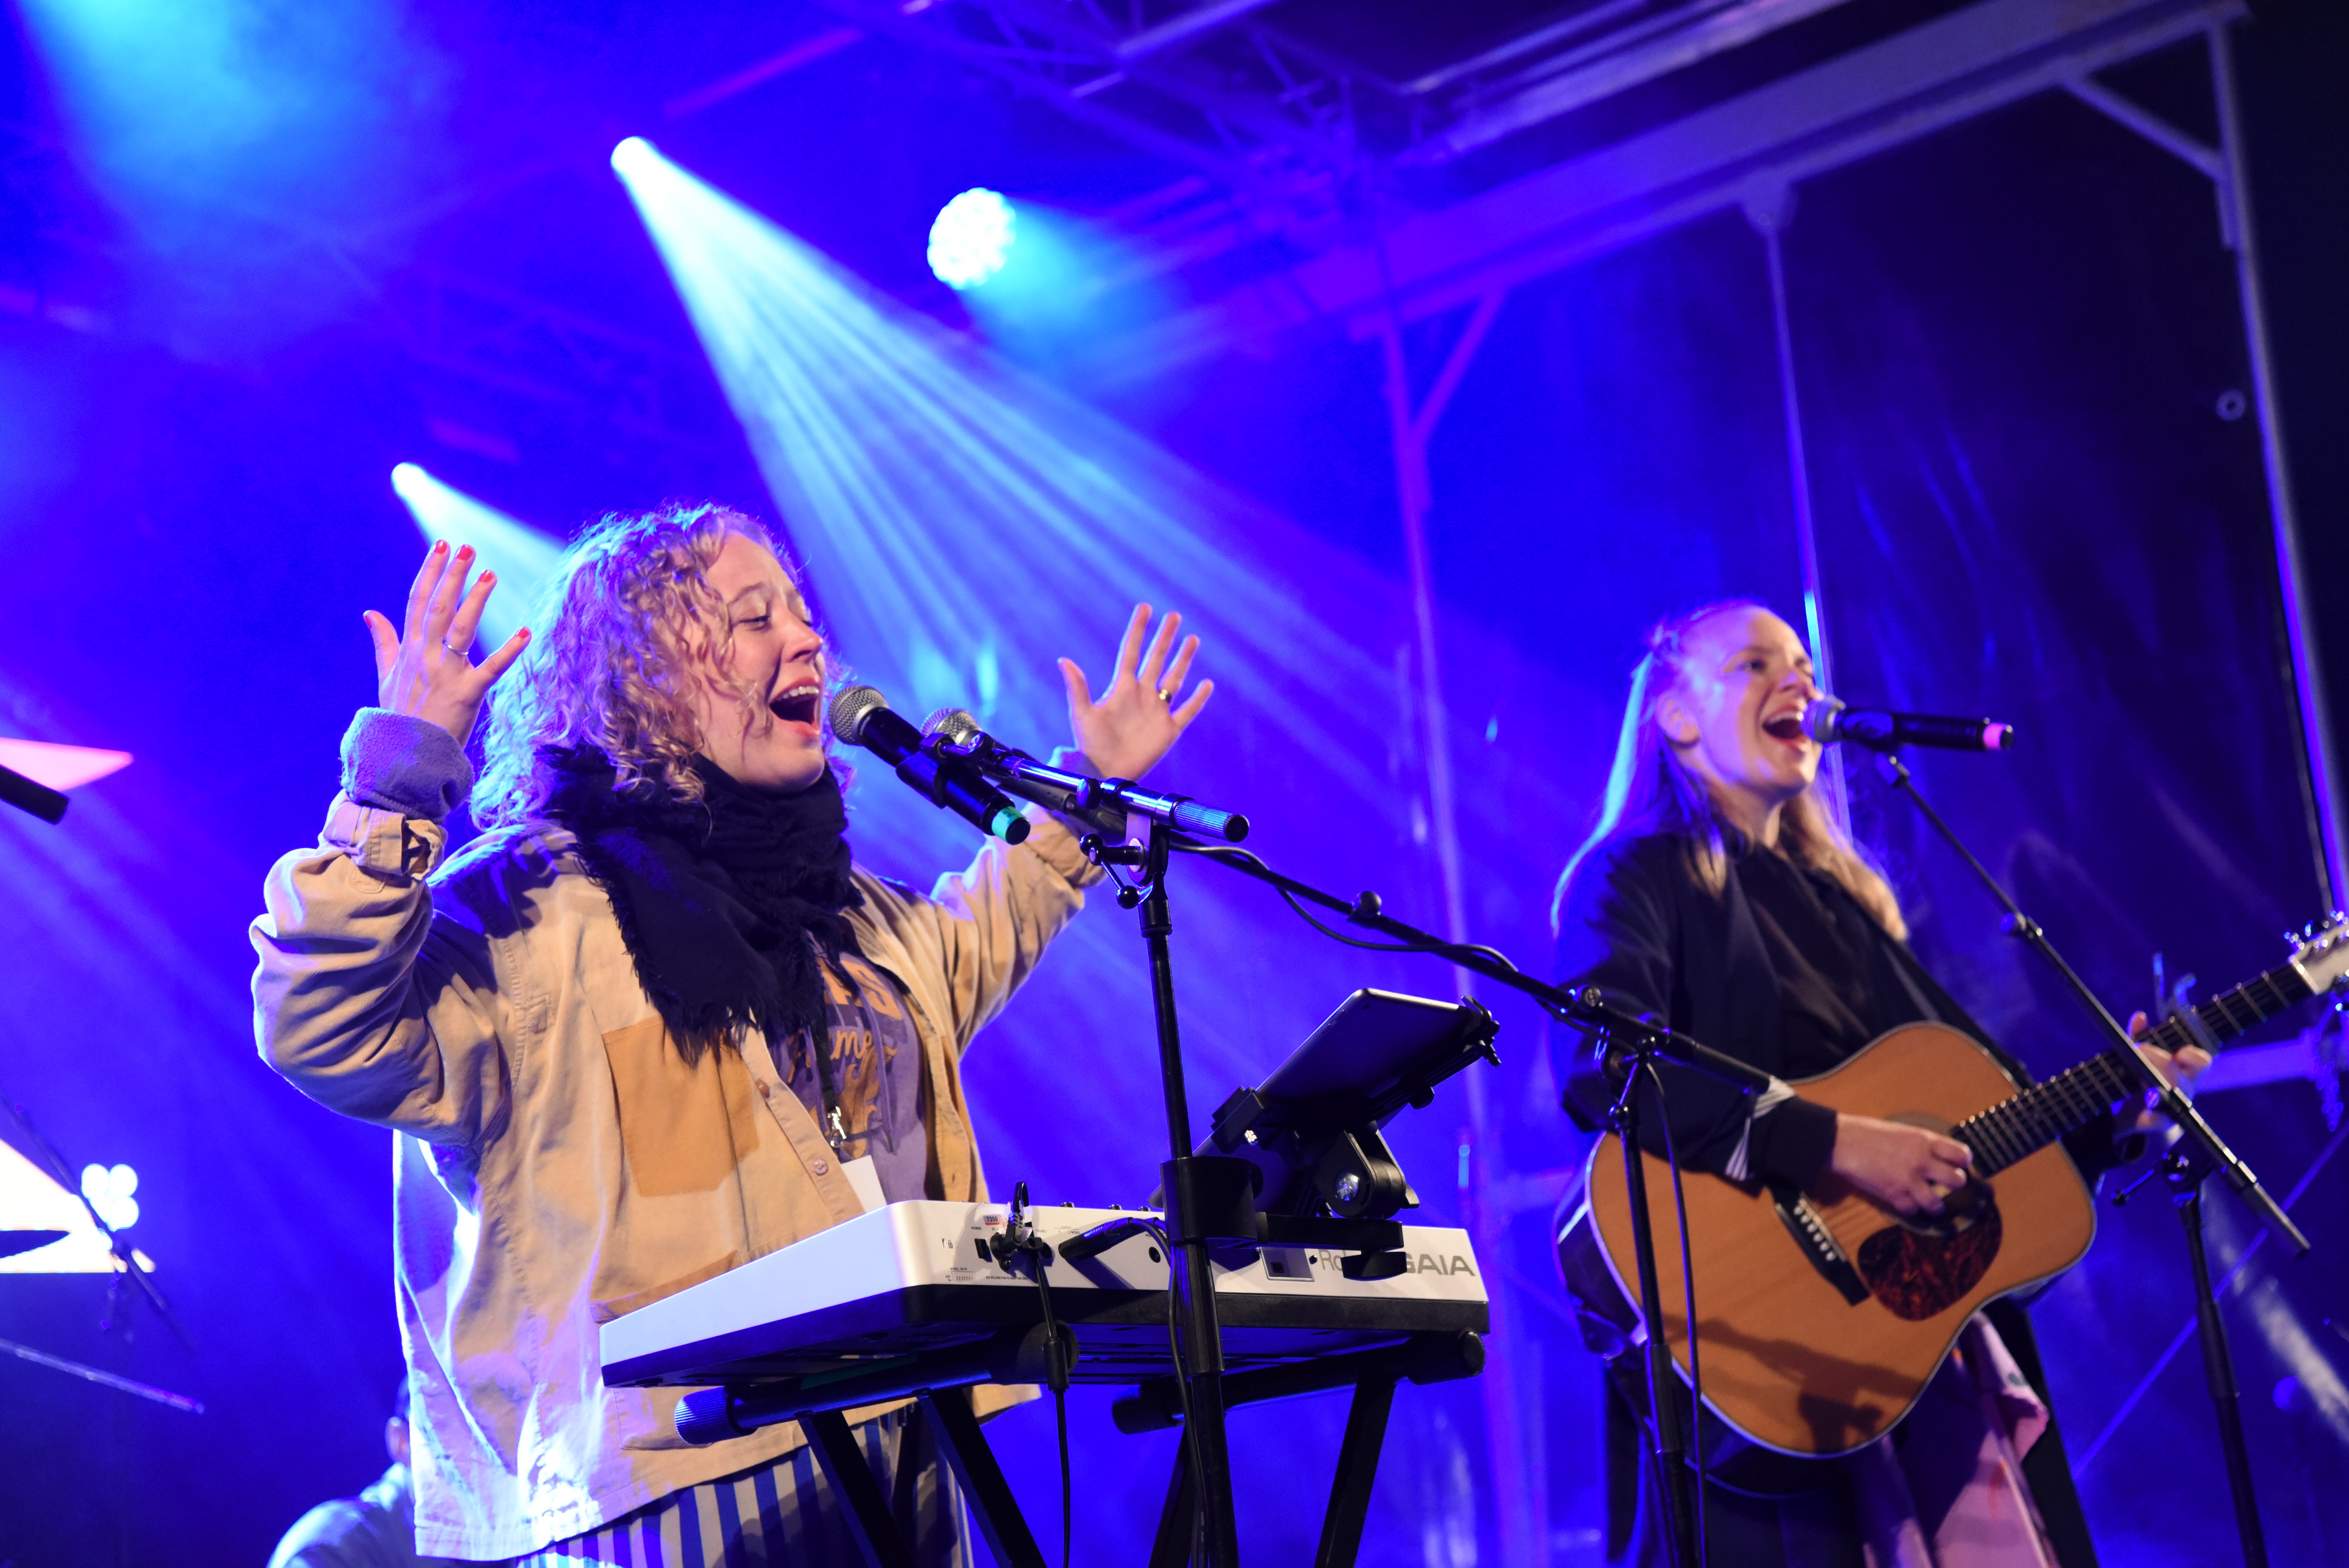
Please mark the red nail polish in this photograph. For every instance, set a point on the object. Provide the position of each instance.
(488, 576)
(441, 547)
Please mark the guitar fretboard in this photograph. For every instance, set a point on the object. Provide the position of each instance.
(2045, 1112)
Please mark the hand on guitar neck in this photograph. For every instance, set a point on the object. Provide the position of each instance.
(1913, 1170)
(2182, 1069)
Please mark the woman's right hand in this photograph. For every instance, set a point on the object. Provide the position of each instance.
(424, 669)
(1906, 1168)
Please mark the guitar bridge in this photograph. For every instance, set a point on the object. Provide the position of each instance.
(1809, 1229)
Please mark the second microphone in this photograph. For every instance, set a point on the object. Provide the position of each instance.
(861, 716)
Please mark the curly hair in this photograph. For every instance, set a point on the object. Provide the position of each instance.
(1651, 791)
(624, 621)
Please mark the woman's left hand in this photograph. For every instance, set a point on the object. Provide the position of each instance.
(1138, 716)
(2182, 1069)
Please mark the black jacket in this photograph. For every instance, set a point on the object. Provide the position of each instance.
(1637, 923)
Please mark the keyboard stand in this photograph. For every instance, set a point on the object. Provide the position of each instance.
(1155, 1404)
(973, 1462)
(1349, 1490)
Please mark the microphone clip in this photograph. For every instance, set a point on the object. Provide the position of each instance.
(1150, 857)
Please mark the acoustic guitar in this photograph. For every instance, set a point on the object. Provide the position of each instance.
(1822, 1314)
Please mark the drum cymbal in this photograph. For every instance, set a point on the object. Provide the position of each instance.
(14, 1241)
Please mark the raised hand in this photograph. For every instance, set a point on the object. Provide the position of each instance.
(425, 668)
(1142, 711)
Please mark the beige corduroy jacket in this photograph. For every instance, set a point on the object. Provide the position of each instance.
(559, 1164)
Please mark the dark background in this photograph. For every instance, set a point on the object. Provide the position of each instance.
(2013, 338)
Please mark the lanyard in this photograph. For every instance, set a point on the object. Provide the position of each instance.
(834, 1131)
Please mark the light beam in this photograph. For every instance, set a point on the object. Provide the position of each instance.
(522, 557)
(965, 524)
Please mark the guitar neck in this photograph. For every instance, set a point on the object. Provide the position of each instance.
(2045, 1112)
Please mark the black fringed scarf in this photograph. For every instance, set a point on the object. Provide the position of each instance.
(718, 899)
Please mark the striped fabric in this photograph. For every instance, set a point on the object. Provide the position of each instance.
(785, 1512)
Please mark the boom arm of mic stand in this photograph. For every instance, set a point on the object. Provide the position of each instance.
(1023, 775)
(31, 795)
(2174, 1104)
(1648, 1040)
(1586, 1007)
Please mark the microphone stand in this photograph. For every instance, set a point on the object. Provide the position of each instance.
(1187, 1181)
(1635, 1043)
(2186, 1168)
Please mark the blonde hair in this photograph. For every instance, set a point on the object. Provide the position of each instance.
(628, 620)
(1650, 791)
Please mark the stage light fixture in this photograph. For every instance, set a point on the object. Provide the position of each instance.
(32, 1200)
(631, 152)
(113, 1194)
(971, 238)
(520, 555)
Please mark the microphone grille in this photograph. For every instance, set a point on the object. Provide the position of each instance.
(1819, 719)
(953, 725)
(852, 707)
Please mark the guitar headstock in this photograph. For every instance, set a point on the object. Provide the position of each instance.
(2320, 951)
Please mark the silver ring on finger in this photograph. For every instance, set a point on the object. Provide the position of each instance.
(1164, 696)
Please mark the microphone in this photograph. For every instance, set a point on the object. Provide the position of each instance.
(1827, 720)
(1073, 794)
(963, 740)
(861, 716)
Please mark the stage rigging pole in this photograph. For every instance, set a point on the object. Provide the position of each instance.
(2315, 727)
(1521, 1499)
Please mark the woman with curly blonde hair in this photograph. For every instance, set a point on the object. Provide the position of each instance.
(654, 1023)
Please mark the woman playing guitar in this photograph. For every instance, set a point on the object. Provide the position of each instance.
(1719, 893)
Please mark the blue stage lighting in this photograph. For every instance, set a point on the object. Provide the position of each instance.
(961, 520)
(971, 238)
(233, 136)
(520, 554)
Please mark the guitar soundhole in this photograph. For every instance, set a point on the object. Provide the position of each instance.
(1916, 1275)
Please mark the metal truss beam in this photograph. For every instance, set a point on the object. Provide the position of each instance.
(1615, 62)
(1270, 120)
(1923, 80)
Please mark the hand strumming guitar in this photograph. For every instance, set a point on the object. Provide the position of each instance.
(1906, 1168)
(1911, 1169)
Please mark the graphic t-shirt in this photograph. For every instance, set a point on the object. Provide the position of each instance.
(876, 1075)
